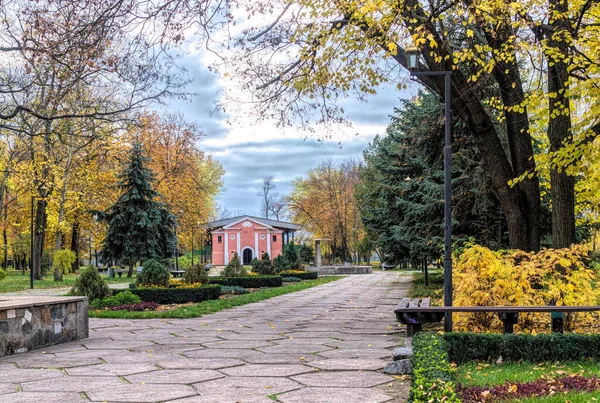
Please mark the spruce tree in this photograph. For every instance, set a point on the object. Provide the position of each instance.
(139, 226)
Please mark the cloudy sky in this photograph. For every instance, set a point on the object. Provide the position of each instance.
(250, 151)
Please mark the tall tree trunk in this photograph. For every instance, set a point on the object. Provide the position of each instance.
(4, 231)
(40, 234)
(130, 272)
(562, 186)
(75, 237)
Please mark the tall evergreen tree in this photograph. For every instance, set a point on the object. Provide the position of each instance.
(139, 226)
(401, 195)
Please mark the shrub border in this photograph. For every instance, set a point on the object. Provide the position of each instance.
(249, 281)
(307, 275)
(175, 295)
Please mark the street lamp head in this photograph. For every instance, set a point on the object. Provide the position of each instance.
(180, 213)
(412, 55)
(43, 191)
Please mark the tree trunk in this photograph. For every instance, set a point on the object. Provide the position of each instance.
(130, 272)
(75, 246)
(40, 234)
(4, 232)
(562, 186)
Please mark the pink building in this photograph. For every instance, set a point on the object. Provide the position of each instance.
(250, 237)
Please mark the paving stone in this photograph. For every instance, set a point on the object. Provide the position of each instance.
(374, 353)
(71, 384)
(7, 387)
(333, 395)
(16, 375)
(267, 370)
(343, 379)
(140, 393)
(187, 376)
(241, 344)
(345, 364)
(28, 397)
(399, 367)
(111, 369)
(200, 363)
(256, 385)
(281, 358)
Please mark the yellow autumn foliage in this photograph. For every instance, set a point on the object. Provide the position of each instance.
(483, 277)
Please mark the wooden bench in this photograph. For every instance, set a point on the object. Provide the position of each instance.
(414, 312)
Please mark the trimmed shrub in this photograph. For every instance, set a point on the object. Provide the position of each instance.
(304, 275)
(279, 263)
(235, 290)
(177, 295)
(234, 268)
(465, 347)
(196, 274)
(263, 266)
(91, 285)
(153, 273)
(432, 373)
(292, 279)
(249, 281)
(121, 298)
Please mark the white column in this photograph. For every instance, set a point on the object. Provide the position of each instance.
(269, 244)
(226, 252)
(256, 245)
(318, 253)
(238, 245)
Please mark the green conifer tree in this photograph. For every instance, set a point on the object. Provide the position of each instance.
(139, 226)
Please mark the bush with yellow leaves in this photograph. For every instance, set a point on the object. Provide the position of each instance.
(483, 277)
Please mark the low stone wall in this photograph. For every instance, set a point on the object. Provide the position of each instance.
(332, 270)
(29, 323)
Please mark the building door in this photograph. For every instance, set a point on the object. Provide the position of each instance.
(247, 257)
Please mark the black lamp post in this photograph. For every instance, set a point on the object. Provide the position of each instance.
(96, 218)
(413, 56)
(43, 192)
(177, 243)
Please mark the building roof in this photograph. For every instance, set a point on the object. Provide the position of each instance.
(272, 223)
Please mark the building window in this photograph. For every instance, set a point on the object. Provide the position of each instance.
(219, 239)
(274, 238)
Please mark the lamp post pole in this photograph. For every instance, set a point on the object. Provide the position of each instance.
(413, 65)
(193, 246)
(43, 191)
(177, 244)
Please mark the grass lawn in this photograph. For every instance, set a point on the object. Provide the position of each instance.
(211, 306)
(476, 374)
(435, 288)
(16, 281)
(505, 376)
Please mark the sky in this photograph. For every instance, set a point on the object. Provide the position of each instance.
(250, 151)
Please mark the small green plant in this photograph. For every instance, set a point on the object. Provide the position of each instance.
(279, 263)
(234, 268)
(235, 290)
(154, 273)
(91, 285)
(196, 274)
(2, 274)
(62, 262)
(122, 298)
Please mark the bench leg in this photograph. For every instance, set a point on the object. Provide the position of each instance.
(413, 328)
(557, 324)
(509, 319)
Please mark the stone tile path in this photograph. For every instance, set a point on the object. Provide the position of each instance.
(324, 344)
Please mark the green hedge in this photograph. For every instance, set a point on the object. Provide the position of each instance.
(176, 295)
(432, 373)
(465, 347)
(249, 281)
(307, 275)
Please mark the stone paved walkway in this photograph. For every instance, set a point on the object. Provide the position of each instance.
(324, 344)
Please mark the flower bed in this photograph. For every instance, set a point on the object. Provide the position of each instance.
(179, 295)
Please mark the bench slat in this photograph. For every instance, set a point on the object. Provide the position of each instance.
(425, 302)
(404, 303)
(501, 309)
(414, 303)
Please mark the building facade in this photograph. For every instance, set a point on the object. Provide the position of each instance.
(250, 237)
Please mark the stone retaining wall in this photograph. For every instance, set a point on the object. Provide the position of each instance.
(332, 270)
(29, 323)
